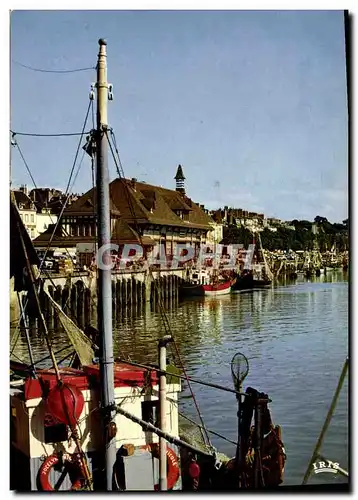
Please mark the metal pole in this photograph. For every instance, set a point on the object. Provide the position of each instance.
(182, 377)
(104, 271)
(326, 422)
(162, 346)
(171, 439)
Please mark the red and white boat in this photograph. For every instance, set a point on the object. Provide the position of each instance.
(220, 288)
(202, 283)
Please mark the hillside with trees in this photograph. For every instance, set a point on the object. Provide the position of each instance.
(307, 235)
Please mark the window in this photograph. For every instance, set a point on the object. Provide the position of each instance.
(150, 412)
(32, 218)
(26, 218)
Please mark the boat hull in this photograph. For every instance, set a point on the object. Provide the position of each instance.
(249, 283)
(191, 290)
(217, 289)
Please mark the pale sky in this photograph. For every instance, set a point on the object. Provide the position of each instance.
(253, 105)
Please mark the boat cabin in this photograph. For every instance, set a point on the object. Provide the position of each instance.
(200, 277)
(36, 435)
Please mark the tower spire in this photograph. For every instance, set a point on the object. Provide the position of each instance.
(179, 178)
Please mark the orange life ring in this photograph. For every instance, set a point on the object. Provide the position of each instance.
(74, 468)
(173, 471)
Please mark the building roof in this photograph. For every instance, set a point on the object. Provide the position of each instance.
(87, 203)
(217, 216)
(23, 201)
(139, 202)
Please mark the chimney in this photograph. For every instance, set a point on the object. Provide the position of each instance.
(179, 178)
(24, 189)
(133, 183)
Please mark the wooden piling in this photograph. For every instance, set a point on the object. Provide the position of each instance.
(129, 292)
(134, 291)
(65, 300)
(124, 293)
(43, 308)
(73, 303)
(32, 324)
(87, 307)
(50, 312)
(58, 296)
(147, 287)
(80, 303)
(140, 292)
(118, 294)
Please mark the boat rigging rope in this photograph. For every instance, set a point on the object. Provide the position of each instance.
(33, 278)
(165, 319)
(40, 70)
(28, 134)
(69, 180)
(74, 431)
(67, 192)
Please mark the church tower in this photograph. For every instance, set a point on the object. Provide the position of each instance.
(179, 178)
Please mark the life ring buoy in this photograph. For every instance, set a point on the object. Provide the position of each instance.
(74, 467)
(173, 470)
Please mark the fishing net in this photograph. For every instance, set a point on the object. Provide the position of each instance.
(81, 343)
(239, 369)
(192, 433)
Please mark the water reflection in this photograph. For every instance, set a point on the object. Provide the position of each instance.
(295, 336)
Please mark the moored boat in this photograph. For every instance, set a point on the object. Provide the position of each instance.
(217, 288)
(247, 281)
(113, 425)
(202, 282)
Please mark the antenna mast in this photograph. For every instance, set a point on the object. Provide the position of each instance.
(104, 272)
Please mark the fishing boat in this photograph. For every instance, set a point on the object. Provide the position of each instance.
(247, 281)
(258, 276)
(202, 282)
(102, 424)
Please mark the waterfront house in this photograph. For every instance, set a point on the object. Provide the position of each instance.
(140, 213)
(36, 215)
(27, 210)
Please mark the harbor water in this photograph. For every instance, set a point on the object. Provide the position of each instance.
(295, 337)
